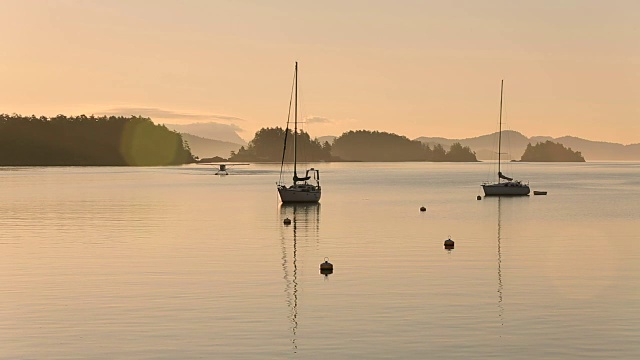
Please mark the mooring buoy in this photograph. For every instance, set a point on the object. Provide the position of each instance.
(287, 221)
(326, 267)
(422, 208)
(449, 244)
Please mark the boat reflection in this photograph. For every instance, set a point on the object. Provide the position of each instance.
(500, 306)
(305, 222)
(305, 217)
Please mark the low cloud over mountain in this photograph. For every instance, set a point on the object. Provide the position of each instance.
(317, 120)
(156, 113)
(210, 130)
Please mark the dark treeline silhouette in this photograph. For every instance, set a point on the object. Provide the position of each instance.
(88, 141)
(364, 145)
(361, 145)
(460, 153)
(550, 151)
(268, 143)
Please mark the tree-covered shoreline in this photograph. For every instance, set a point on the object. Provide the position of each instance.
(550, 151)
(137, 141)
(89, 141)
(267, 146)
(359, 146)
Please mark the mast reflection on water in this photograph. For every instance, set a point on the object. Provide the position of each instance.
(306, 220)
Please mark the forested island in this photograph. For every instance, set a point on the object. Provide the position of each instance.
(550, 151)
(361, 145)
(89, 141)
(267, 146)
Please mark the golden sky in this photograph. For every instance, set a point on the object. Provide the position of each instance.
(415, 68)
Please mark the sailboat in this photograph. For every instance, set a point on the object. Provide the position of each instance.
(302, 190)
(509, 186)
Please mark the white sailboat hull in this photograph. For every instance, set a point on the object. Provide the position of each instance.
(506, 189)
(306, 194)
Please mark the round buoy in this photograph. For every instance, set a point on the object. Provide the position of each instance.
(479, 197)
(448, 244)
(422, 208)
(326, 267)
(287, 221)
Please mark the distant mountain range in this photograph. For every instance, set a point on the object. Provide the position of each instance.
(207, 148)
(210, 130)
(210, 139)
(514, 144)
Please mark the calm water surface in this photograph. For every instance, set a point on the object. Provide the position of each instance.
(169, 263)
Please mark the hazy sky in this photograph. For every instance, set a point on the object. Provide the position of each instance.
(416, 68)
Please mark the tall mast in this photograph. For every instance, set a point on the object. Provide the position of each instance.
(295, 131)
(499, 133)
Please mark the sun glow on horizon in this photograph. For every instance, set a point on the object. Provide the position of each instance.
(412, 68)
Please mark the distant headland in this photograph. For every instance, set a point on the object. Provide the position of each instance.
(89, 141)
(137, 141)
(550, 151)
